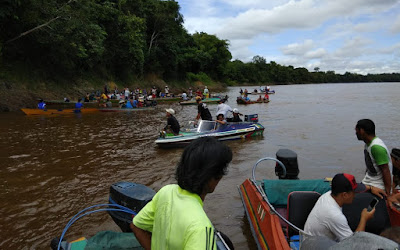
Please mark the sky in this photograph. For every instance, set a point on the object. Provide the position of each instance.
(357, 36)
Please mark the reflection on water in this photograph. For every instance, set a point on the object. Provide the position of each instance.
(52, 167)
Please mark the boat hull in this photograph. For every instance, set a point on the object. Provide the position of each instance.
(58, 111)
(265, 225)
(207, 100)
(125, 109)
(185, 138)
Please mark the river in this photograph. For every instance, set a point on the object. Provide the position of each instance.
(53, 167)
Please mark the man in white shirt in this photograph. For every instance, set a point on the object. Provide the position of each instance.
(327, 218)
(223, 108)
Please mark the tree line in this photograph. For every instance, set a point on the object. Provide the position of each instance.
(125, 40)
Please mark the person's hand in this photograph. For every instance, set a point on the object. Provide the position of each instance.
(367, 215)
(394, 198)
(378, 192)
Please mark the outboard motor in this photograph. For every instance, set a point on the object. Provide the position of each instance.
(131, 195)
(289, 159)
(251, 118)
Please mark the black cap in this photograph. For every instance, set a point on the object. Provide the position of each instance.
(346, 183)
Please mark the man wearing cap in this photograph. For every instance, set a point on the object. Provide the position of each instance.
(377, 159)
(223, 108)
(327, 218)
(172, 122)
(236, 117)
(202, 110)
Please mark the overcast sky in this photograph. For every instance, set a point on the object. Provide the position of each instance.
(358, 36)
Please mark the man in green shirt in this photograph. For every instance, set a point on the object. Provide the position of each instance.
(377, 159)
(175, 218)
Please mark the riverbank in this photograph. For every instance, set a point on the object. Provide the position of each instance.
(17, 94)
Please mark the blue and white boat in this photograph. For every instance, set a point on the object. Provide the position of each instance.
(229, 131)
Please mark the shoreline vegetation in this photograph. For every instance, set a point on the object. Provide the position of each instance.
(51, 50)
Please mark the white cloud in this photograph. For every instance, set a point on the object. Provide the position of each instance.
(396, 26)
(336, 35)
(298, 49)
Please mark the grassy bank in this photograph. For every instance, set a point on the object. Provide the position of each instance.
(21, 88)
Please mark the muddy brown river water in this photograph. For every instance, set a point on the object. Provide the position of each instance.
(53, 167)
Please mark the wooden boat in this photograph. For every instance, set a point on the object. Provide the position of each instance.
(207, 100)
(126, 199)
(167, 99)
(278, 209)
(229, 131)
(58, 111)
(125, 109)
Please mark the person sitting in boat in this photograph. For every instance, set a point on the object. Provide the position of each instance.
(122, 104)
(266, 96)
(184, 96)
(236, 114)
(172, 122)
(175, 217)
(78, 105)
(87, 98)
(41, 104)
(198, 93)
(241, 91)
(130, 103)
(108, 103)
(221, 119)
(260, 99)
(327, 218)
(202, 110)
(395, 155)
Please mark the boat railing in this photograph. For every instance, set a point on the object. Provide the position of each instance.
(264, 196)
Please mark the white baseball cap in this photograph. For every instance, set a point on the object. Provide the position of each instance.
(235, 110)
(171, 111)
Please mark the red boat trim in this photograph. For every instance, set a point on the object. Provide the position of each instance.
(253, 218)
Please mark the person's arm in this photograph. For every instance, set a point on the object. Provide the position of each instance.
(365, 216)
(394, 198)
(377, 191)
(144, 237)
(382, 160)
(387, 180)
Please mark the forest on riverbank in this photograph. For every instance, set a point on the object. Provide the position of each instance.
(65, 43)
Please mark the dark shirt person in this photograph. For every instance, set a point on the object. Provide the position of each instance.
(175, 218)
(202, 110)
(236, 117)
(327, 218)
(395, 155)
(172, 123)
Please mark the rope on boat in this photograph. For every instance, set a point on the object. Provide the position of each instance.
(264, 196)
(81, 213)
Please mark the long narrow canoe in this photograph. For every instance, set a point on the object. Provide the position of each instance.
(125, 109)
(207, 100)
(58, 111)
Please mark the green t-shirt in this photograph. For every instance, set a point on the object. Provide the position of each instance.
(176, 219)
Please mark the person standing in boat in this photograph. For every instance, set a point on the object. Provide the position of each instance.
(78, 105)
(206, 93)
(223, 108)
(41, 104)
(377, 160)
(175, 218)
(202, 110)
(327, 218)
(166, 91)
(190, 93)
(172, 123)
